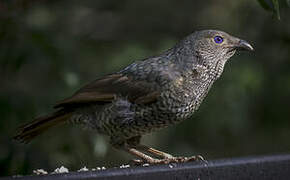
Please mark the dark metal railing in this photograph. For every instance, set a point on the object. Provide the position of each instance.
(261, 167)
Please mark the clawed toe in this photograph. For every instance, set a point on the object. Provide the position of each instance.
(184, 159)
(139, 151)
(138, 162)
(193, 158)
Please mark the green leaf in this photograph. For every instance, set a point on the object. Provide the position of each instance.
(266, 5)
(288, 3)
(276, 8)
(272, 5)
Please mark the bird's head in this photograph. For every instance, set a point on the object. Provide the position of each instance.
(215, 43)
(213, 48)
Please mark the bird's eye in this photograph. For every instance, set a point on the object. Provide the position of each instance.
(218, 39)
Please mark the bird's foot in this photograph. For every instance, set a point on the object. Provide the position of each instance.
(185, 159)
(180, 159)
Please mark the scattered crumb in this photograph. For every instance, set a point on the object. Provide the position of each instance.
(83, 169)
(145, 165)
(125, 166)
(60, 170)
(99, 168)
(170, 166)
(63, 169)
(39, 172)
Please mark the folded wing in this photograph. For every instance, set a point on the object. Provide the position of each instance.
(108, 88)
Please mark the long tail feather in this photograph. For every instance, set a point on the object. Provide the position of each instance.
(28, 131)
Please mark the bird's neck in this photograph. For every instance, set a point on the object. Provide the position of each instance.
(217, 69)
(198, 79)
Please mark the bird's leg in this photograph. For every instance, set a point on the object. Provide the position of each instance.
(167, 158)
(154, 151)
(134, 147)
(141, 155)
(130, 146)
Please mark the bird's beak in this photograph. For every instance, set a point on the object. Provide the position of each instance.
(244, 45)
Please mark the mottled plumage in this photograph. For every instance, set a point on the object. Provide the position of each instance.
(147, 95)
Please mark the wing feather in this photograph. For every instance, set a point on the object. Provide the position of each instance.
(109, 87)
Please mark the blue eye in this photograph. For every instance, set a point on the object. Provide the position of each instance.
(218, 39)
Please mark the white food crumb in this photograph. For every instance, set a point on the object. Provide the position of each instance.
(98, 168)
(39, 171)
(60, 170)
(83, 169)
(146, 164)
(170, 166)
(124, 166)
(103, 168)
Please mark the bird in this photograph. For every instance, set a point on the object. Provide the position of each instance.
(146, 96)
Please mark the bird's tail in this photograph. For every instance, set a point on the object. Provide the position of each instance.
(28, 131)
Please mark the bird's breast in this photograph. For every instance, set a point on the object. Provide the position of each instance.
(184, 96)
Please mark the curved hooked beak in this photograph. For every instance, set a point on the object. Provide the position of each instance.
(244, 45)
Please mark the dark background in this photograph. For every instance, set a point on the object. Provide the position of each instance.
(49, 49)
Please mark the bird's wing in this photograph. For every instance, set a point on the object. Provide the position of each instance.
(109, 87)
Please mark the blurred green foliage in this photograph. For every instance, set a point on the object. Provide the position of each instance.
(48, 49)
(274, 6)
